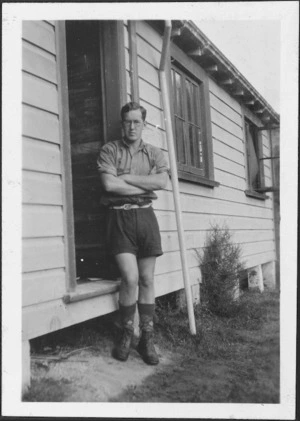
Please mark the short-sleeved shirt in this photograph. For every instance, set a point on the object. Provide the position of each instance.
(115, 158)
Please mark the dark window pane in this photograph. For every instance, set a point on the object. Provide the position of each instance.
(196, 104)
(181, 155)
(179, 93)
(193, 151)
(253, 158)
(189, 100)
(201, 160)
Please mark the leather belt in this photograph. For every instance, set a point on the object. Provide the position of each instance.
(129, 206)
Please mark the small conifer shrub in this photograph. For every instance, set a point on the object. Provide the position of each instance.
(221, 269)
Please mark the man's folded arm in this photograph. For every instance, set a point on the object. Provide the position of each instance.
(116, 185)
(148, 182)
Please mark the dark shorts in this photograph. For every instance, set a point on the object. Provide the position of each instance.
(133, 231)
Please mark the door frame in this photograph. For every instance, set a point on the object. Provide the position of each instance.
(115, 90)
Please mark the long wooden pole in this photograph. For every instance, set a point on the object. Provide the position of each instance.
(173, 167)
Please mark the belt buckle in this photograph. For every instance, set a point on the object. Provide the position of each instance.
(127, 206)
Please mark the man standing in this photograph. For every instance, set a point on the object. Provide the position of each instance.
(130, 171)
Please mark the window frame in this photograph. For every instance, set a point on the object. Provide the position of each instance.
(193, 71)
(249, 118)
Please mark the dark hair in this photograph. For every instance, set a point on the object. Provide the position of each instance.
(130, 106)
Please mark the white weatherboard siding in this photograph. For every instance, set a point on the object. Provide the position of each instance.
(43, 229)
(249, 219)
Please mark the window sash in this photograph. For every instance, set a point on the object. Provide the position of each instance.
(254, 155)
(187, 116)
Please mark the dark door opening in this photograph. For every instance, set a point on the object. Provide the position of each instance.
(88, 124)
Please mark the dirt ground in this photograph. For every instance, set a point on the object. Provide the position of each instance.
(233, 359)
(91, 375)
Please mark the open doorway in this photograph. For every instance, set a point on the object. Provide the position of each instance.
(91, 118)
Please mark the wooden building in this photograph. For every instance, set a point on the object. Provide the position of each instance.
(76, 77)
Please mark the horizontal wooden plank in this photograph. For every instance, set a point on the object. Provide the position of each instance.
(225, 137)
(40, 124)
(155, 136)
(258, 247)
(224, 164)
(39, 33)
(259, 259)
(38, 62)
(225, 109)
(42, 221)
(226, 151)
(42, 188)
(148, 33)
(39, 93)
(48, 317)
(41, 156)
(148, 53)
(196, 222)
(197, 239)
(91, 289)
(42, 254)
(222, 192)
(171, 261)
(43, 286)
(173, 281)
(226, 124)
(154, 115)
(211, 206)
(224, 96)
(150, 94)
(230, 180)
(148, 72)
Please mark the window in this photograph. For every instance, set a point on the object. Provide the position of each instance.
(189, 142)
(254, 155)
(192, 129)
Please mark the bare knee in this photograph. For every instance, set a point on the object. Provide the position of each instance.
(130, 281)
(146, 280)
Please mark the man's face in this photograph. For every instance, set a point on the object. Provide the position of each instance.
(133, 125)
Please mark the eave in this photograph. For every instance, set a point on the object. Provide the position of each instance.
(188, 37)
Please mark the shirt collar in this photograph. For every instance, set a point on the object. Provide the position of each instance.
(142, 145)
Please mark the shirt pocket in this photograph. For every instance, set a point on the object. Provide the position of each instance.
(121, 165)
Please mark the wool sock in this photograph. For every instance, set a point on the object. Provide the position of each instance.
(127, 312)
(146, 309)
(146, 312)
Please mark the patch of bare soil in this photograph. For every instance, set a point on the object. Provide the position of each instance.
(91, 375)
(234, 359)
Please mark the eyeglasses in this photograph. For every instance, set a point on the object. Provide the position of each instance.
(128, 123)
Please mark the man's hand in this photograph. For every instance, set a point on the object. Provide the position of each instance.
(146, 182)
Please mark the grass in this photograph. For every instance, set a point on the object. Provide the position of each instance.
(230, 359)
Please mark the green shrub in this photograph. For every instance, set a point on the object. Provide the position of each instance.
(221, 269)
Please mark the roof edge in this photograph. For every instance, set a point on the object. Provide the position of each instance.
(234, 72)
